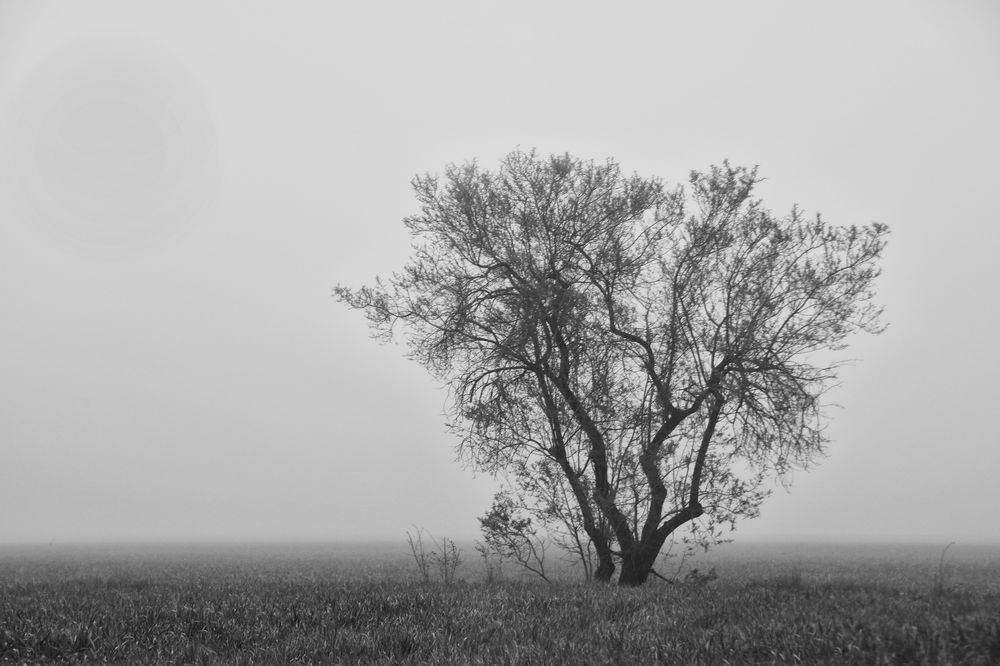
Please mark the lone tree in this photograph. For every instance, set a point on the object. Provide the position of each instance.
(650, 356)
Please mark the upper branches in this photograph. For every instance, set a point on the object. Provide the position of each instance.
(641, 338)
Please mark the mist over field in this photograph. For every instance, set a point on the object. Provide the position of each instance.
(912, 563)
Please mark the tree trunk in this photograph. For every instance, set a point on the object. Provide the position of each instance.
(605, 560)
(638, 560)
(637, 565)
(605, 569)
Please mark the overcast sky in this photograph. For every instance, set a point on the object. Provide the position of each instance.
(182, 184)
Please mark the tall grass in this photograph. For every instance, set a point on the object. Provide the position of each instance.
(309, 611)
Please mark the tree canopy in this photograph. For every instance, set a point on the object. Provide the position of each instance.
(638, 357)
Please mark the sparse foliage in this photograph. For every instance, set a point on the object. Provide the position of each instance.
(420, 556)
(511, 534)
(635, 358)
(699, 578)
(492, 562)
(445, 557)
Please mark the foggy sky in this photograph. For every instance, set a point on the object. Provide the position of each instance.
(181, 185)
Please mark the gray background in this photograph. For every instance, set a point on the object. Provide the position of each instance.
(181, 185)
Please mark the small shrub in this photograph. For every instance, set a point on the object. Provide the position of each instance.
(420, 556)
(492, 562)
(699, 578)
(445, 558)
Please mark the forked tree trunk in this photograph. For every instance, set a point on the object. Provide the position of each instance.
(637, 565)
(605, 559)
(604, 570)
(638, 560)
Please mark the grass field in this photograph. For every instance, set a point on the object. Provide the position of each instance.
(364, 603)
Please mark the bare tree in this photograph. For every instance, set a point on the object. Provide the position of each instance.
(658, 351)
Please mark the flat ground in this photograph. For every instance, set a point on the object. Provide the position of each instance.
(365, 603)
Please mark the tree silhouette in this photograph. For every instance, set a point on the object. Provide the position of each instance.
(651, 356)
